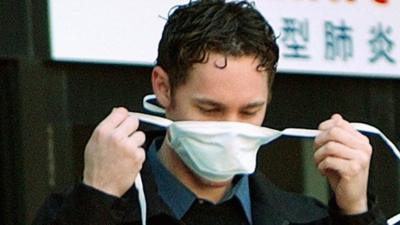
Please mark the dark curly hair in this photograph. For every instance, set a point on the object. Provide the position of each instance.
(233, 28)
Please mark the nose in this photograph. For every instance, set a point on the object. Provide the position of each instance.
(240, 117)
(233, 117)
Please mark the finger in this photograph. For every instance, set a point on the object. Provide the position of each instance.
(340, 122)
(345, 168)
(337, 120)
(335, 149)
(127, 127)
(333, 121)
(138, 155)
(116, 117)
(343, 136)
(137, 138)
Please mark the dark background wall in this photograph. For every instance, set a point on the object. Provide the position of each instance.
(48, 110)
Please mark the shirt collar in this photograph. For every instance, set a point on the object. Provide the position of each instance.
(171, 189)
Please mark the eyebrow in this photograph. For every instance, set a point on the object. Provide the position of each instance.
(255, 104)
(207, 101)
(210, 102)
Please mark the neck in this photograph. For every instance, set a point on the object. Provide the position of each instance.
(203, 189)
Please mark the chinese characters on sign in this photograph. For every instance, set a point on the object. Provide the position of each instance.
(338, 41)
(381, 44)
(295, 38)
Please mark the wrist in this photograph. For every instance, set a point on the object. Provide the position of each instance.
(354, 208)
(102, 188)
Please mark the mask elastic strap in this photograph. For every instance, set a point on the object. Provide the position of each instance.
(394, 220)
(142, 198)
(159, 121)
(362, 127)
(154, 108)
(155, 120)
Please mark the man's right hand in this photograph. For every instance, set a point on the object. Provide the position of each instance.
(113, 155)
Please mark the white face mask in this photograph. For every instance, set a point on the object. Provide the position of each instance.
(217, 151)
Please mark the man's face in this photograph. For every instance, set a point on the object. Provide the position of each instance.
(237, 92)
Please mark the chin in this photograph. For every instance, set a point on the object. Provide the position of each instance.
(215, 184)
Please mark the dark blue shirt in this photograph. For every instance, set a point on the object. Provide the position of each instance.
(171, 189)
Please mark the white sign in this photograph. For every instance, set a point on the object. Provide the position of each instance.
(324, 37)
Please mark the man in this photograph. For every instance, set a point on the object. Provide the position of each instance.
(216, 62)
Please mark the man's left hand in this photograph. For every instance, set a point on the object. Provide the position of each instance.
(343, 155)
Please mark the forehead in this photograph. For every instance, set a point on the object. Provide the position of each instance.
(220, 67)
(222, 75)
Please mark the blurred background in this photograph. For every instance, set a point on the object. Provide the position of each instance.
(49, 105)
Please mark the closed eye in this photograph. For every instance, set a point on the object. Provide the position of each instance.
(253, 109)
(250, 113)
(207, 106)
(210, 110)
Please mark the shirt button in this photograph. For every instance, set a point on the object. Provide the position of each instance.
(201, 201)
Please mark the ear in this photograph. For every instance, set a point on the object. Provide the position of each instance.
(161, 86)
